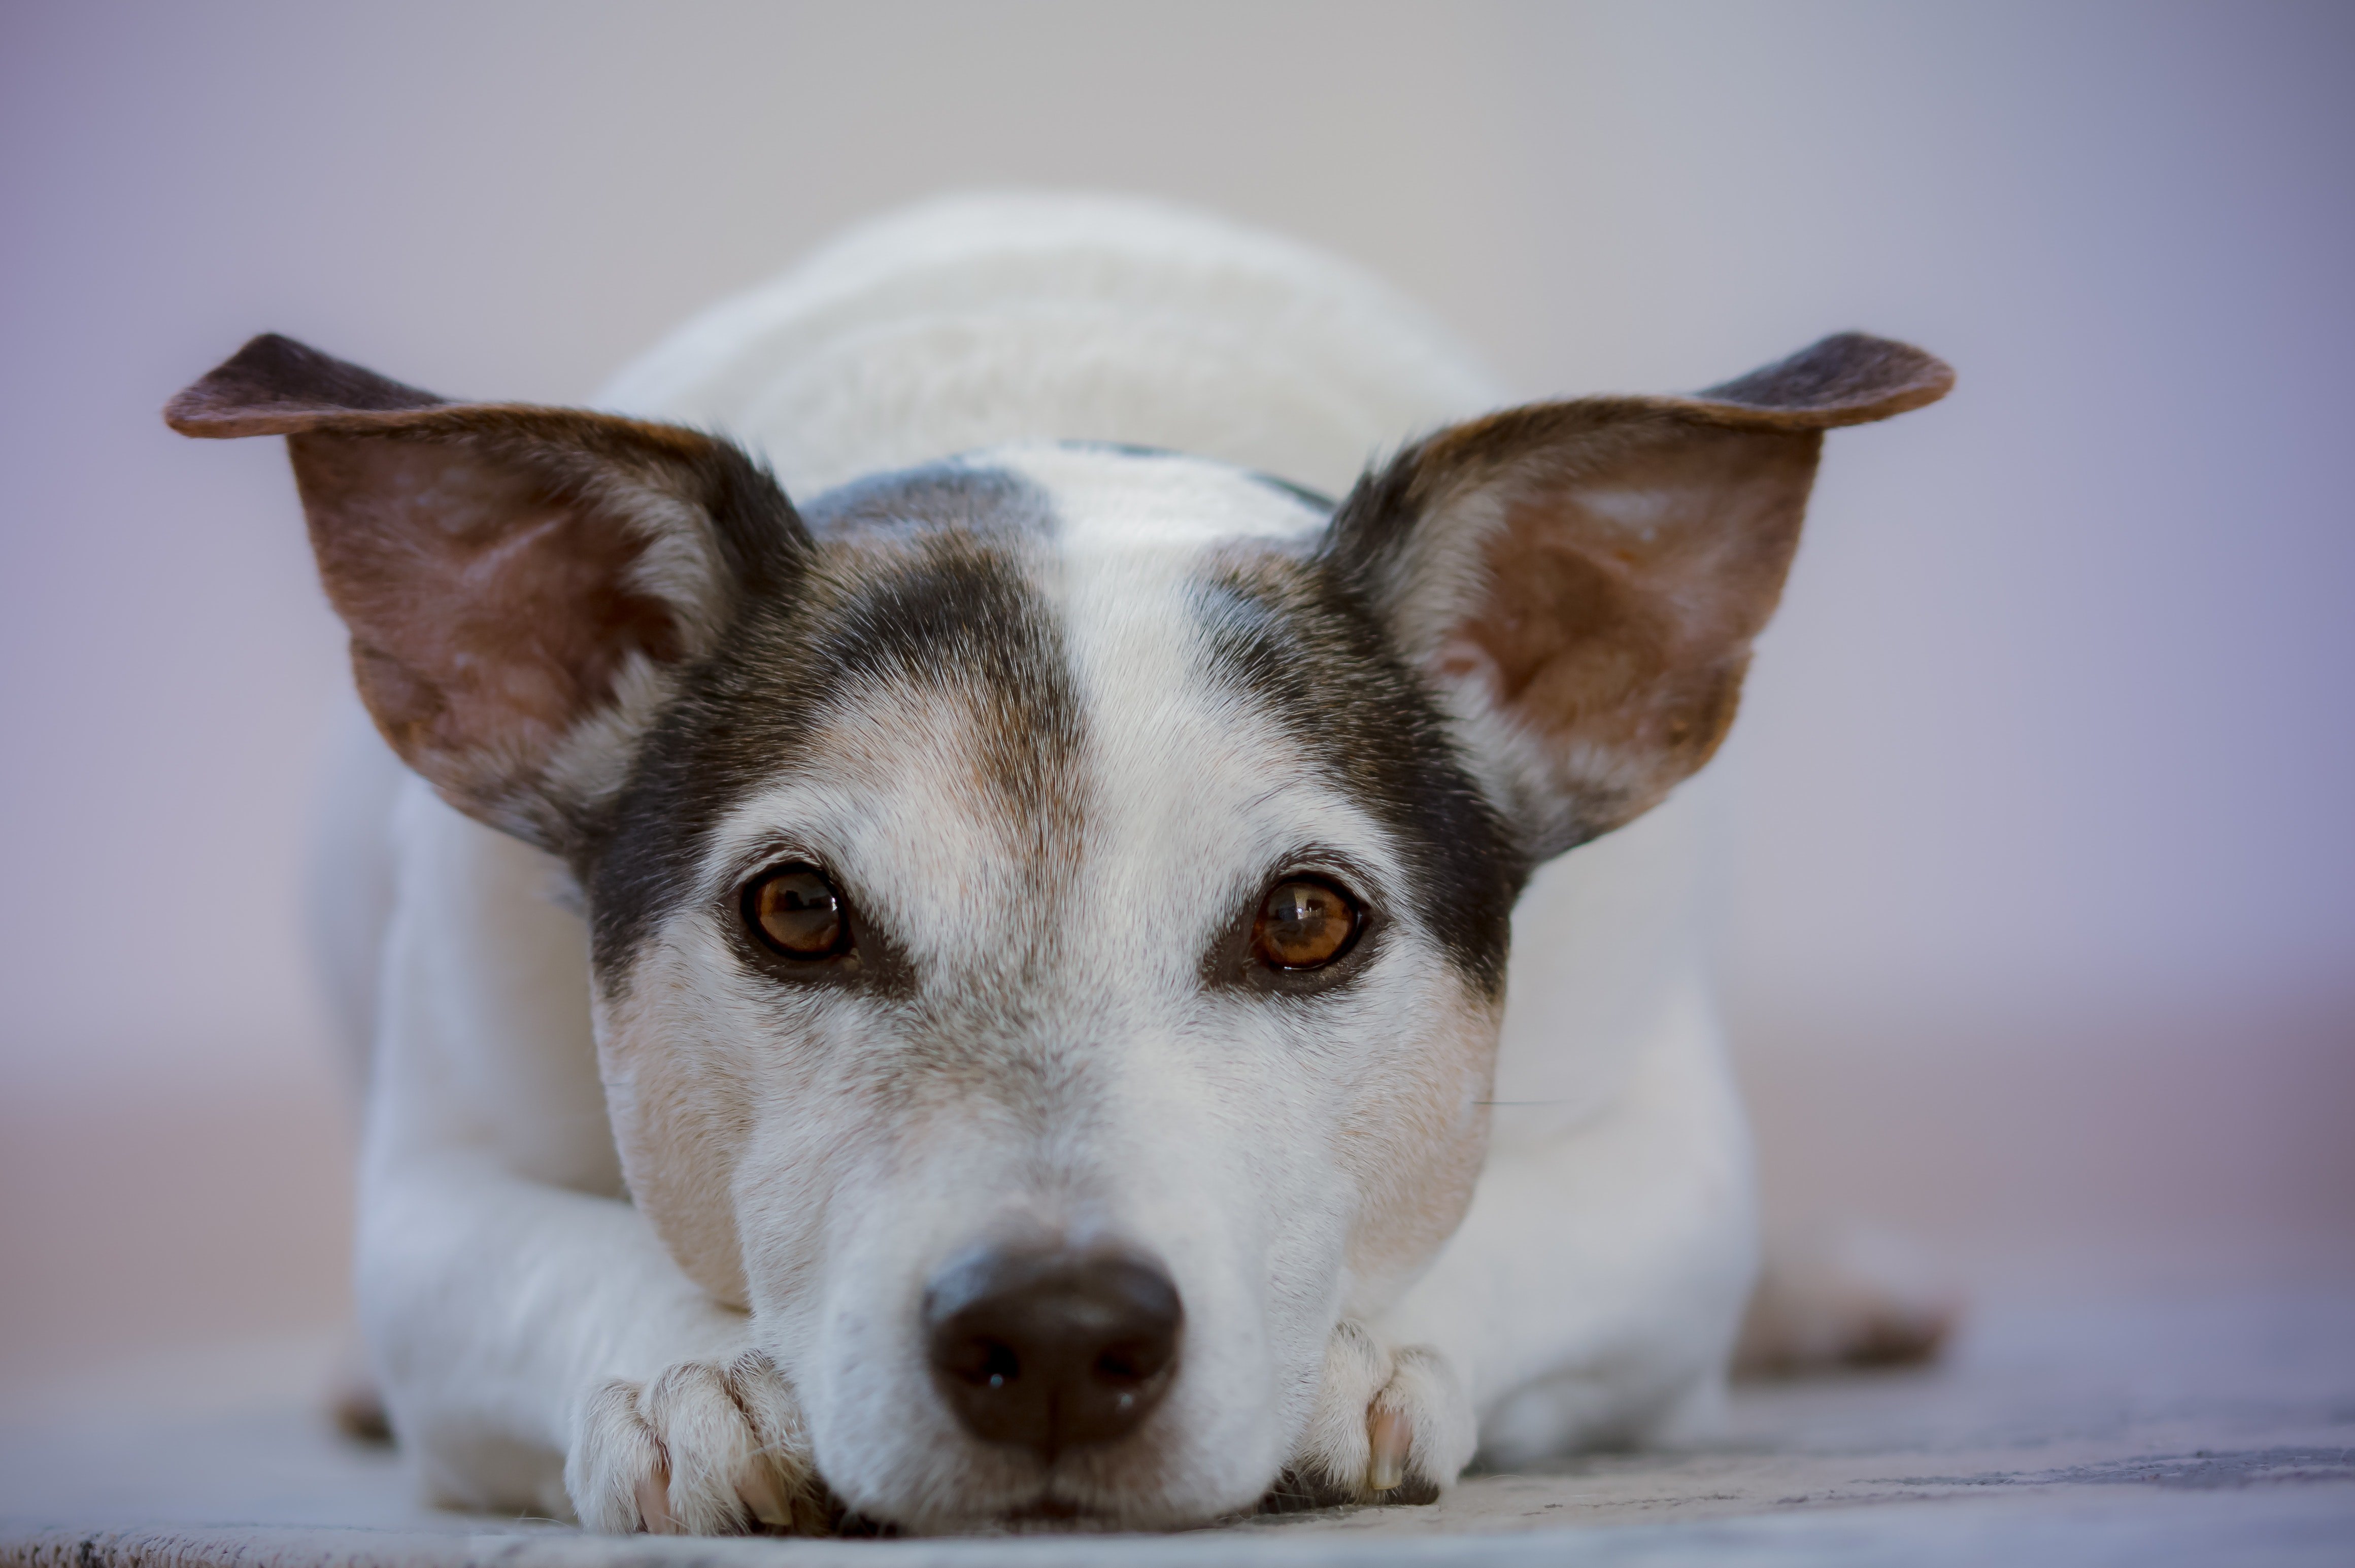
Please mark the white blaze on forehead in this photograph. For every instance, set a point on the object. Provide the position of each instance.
(1190, 786)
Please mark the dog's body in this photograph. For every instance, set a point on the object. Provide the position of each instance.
(656, 1215)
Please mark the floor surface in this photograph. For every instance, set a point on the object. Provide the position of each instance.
(2207, 1430)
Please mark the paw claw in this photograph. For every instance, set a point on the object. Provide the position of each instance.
(765, 1499)
(653, 1496)
(1390, 1435)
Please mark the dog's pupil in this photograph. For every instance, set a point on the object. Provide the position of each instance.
(798, 911)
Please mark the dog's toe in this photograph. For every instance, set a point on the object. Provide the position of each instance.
(1391, 1426)
(703, 1449)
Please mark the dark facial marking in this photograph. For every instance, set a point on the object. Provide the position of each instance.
(1287, 633)
(916, 579)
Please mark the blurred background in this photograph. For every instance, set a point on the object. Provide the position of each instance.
(2041, 907)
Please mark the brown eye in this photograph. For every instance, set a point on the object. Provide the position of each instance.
(794, 910)
(1304, 924)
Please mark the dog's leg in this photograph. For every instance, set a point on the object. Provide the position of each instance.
(1844, 1296)
(538, 1349)
(1592, 1293)
(519, 1312)
(511, 1324)
(347, 904)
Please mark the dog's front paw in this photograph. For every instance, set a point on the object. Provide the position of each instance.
(1391, 1426)
(704, 1450)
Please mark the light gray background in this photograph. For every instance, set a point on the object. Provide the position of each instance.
(2039, 924)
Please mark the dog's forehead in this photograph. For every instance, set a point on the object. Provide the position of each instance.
(1133, 502)
(1041, 661)
(1076, 748)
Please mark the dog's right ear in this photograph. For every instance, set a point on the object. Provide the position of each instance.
(522, 585)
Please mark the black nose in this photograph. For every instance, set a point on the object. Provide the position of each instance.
(1047, 1349)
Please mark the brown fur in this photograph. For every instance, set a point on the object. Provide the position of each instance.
(1629, 643)
(489, 559)
(489, 612)
(1415, 1152)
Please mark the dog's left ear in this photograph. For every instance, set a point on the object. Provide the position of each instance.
(1583, 580)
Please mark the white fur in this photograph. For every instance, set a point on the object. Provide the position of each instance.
(521, 1311)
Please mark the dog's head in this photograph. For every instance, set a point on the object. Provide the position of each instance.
(1050, 908)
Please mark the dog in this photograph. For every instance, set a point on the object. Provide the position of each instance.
(976, 994)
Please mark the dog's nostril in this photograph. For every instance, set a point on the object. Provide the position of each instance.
(1051, 1349)
(981, 1362)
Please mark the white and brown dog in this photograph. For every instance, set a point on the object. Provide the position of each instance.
(976, 994)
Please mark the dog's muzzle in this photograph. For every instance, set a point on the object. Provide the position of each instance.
(1049, 1349)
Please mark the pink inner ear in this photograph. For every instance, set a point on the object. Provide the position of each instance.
(490, 611)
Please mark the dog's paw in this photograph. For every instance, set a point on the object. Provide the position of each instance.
(1391, 1426)
(704, 1450)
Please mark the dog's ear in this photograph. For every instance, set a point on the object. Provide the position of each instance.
(522, 585)
(1583, 580)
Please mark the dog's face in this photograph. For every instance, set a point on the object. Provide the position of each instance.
(1050, 908)
(1062, 866)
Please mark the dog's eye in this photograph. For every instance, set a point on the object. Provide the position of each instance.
(1304, 924)
(794, 910)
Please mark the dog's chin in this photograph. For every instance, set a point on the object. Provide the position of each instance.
(1054, 1504)
(1052, 1511)
(927, 1478)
